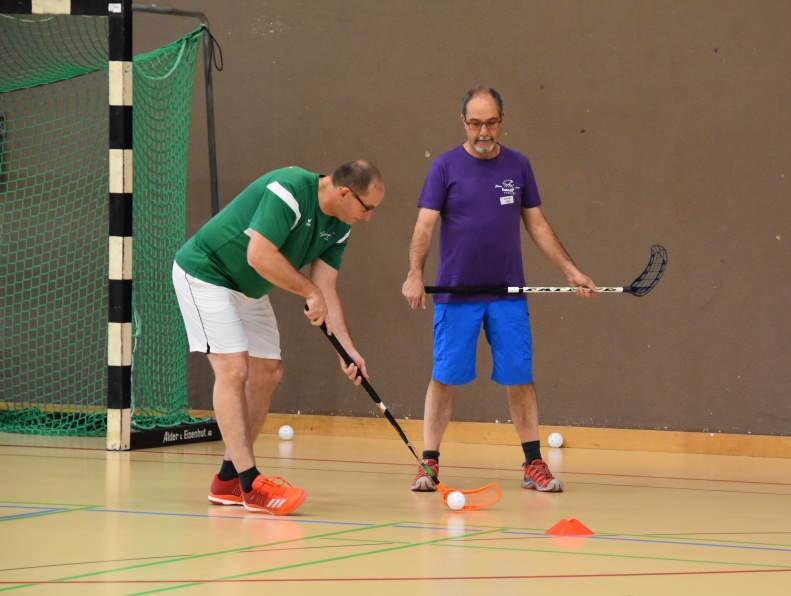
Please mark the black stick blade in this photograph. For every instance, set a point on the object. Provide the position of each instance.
(652, 274)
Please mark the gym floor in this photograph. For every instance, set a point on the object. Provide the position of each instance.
(77, 519)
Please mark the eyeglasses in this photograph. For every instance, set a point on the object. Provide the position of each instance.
(359, 200)
(490, 124)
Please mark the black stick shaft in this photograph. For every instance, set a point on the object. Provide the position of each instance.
(372, 393)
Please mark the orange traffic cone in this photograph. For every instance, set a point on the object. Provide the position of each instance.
(570, 527)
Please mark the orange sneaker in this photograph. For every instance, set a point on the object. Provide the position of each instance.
(423, 482)
(225, 492)
(273, 495)
(538, 477)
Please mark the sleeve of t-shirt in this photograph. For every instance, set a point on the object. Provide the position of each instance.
(277, 214)
(530, 196)
(334, 254)
(435, 188)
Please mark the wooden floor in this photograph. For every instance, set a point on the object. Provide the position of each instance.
(75, 519)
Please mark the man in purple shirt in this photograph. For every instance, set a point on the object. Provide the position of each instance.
(482, 191)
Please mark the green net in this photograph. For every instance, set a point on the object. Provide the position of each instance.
(54, 226)
(163, 83)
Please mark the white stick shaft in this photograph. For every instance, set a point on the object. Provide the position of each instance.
(537, 289)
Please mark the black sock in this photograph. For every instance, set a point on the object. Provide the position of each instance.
(227, 471)
(246, 478)
(532, 451)
(431, 455)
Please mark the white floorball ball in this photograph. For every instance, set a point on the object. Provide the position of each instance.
(555, 440)
(456, 500)
(286, 432)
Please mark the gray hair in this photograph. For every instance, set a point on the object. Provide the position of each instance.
(481, 90)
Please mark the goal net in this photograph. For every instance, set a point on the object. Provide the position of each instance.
(54, 226)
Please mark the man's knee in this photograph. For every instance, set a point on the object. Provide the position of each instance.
(265, 372)
(230, 368)
(276, 371)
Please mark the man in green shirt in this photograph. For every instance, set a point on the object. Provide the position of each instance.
(285, 220)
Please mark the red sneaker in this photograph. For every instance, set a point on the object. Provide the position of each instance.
(538, 477)
(273, 495)
(225, 492)
(422, 481)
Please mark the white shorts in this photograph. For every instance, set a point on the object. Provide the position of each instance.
(221, 321)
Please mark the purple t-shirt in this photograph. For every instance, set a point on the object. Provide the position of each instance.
(481, 202)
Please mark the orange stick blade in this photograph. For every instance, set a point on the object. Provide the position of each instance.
(479, 498)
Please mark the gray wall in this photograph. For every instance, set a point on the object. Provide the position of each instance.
(647, 121)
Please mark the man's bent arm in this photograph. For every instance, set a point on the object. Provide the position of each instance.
(269, 263)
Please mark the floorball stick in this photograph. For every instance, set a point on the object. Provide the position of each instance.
(644, 283)
(479, 498)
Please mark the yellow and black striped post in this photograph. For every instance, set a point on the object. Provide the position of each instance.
(119, 332)
(120, 432)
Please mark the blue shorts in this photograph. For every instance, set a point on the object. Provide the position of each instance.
(507, 325)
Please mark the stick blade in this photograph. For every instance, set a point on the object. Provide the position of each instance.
(652, 274)
(475, 499)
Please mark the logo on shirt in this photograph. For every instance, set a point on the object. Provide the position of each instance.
(327, 235)
(507, 189)
(308, 222)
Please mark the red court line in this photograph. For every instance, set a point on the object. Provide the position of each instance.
(379, 463)
(400, 579)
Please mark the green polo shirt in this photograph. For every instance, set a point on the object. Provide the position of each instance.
(283, 206)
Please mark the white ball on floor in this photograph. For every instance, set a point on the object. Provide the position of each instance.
(555, 440)
(456, 500)
(286, 432)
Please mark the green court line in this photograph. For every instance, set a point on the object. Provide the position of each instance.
(320, 561)
(210, 554)
(453, 541)
(364, 540)
(617, 556)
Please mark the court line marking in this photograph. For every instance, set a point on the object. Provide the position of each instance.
(472, 531)
(52, 565)
(622, 556)
(447, 541)
(478, 530)
(638, 539)
(379, 463)
(487, 478)
(310, 563)
(53, 510)
(240, 578)
(244, 516)
(194, 557)
(414, 579)
(595, 474)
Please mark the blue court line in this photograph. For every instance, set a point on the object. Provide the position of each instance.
(272, 519)
(469, 531)
(36, 511)
(30, 514)
(246, 518)
(665, 542)
(442, 528)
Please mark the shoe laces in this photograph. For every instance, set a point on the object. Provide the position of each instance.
(276, 485)
(539, 467)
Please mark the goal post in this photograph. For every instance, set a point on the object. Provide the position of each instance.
(93, 341)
